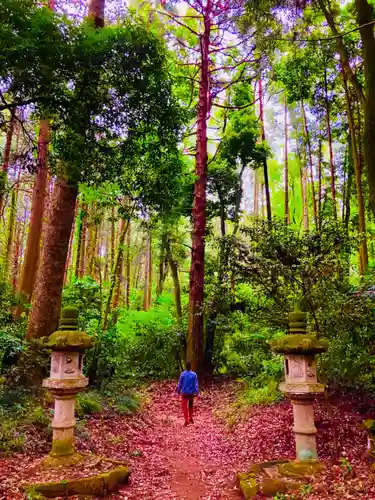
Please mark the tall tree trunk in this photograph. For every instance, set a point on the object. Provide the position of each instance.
(196, 295)
(320, 184)
(113, 239)
(80, 219)
(33, 244)
(366, 16)
(308, 143)
(45, 311)
(82, 256)
(348, 195)
(265, 166)
(176, 282)
(286, 165)
(147, 293)
(11, 227)
(237, 205)
(128, 267)
(329, 135)
(117, 293)
(114, 274)
(358, 180)
(5, 166)
(161, 272)
(69, 258)
(256, 193)
(303, 178)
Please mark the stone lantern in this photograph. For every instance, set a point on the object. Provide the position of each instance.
(66, 380)
(301, 385)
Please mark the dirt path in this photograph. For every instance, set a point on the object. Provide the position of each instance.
(181, 463)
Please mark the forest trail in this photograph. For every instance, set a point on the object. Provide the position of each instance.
(182, 463)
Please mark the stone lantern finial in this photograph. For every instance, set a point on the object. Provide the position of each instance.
(66, 380)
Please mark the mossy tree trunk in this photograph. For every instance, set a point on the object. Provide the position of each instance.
(6, 159)
(176, 281)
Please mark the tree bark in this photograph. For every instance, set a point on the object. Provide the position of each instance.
(45, 312)
(256, 194)
(176, 282)
(286, 165)
(329, 135)
(236, 215)
(366, 16)
(308, 143)
(36, 219)
(265, 166)
(116, 297)
(128, 267)
(320, 184)
(162, 259)
(115, 270)
(196, 295)
(83, 252)
(363, 252)
(81, 216)
(147, 293)
(5, 166)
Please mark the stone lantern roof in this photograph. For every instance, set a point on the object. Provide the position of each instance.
(68, 338)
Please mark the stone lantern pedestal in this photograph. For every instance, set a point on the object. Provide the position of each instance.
(66, 380)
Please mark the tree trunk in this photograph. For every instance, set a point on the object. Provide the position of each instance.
(329, 135)
(70, 248)
(113, 239)
(320, 184)
(358, 180)
(81, 216)
(308, 143)
(45, 312)
(5, 167)
(176, 282)
(256, 193)
(161, 273)
(116, 297)
(196, 295)
(147, 293)
(128, 267)
(82, 256)
(366, 17)
(36, 219)
(286, 166)
(236, 215)
(265, 167)
(303, 177)
(11, 228)
(346, 203)
(115, 270)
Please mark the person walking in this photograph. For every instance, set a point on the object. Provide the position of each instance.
(188, 389)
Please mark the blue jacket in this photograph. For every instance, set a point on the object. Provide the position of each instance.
(188, 383)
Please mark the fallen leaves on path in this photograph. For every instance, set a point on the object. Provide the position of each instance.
(200, 461)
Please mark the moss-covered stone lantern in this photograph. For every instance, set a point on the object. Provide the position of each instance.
(301, 385)
(66, 380)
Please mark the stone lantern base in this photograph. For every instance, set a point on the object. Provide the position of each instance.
(277, 476)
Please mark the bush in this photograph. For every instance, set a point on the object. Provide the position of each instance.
(11, 439)
(264, 395)
(88, 403)
(127, 403)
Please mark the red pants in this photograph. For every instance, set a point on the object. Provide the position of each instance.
(187, 406)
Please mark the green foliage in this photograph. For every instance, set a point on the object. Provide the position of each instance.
(11, 439)
(88, 403)
(127, 403)
(265, 395)
(86, 295)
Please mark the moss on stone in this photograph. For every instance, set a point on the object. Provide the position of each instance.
(249, 487)
(68, 340)
(99, 485)
(300, 469)
(56, 461)
(271, 487)
(369, 425)
(62, 447)
(299, 344)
